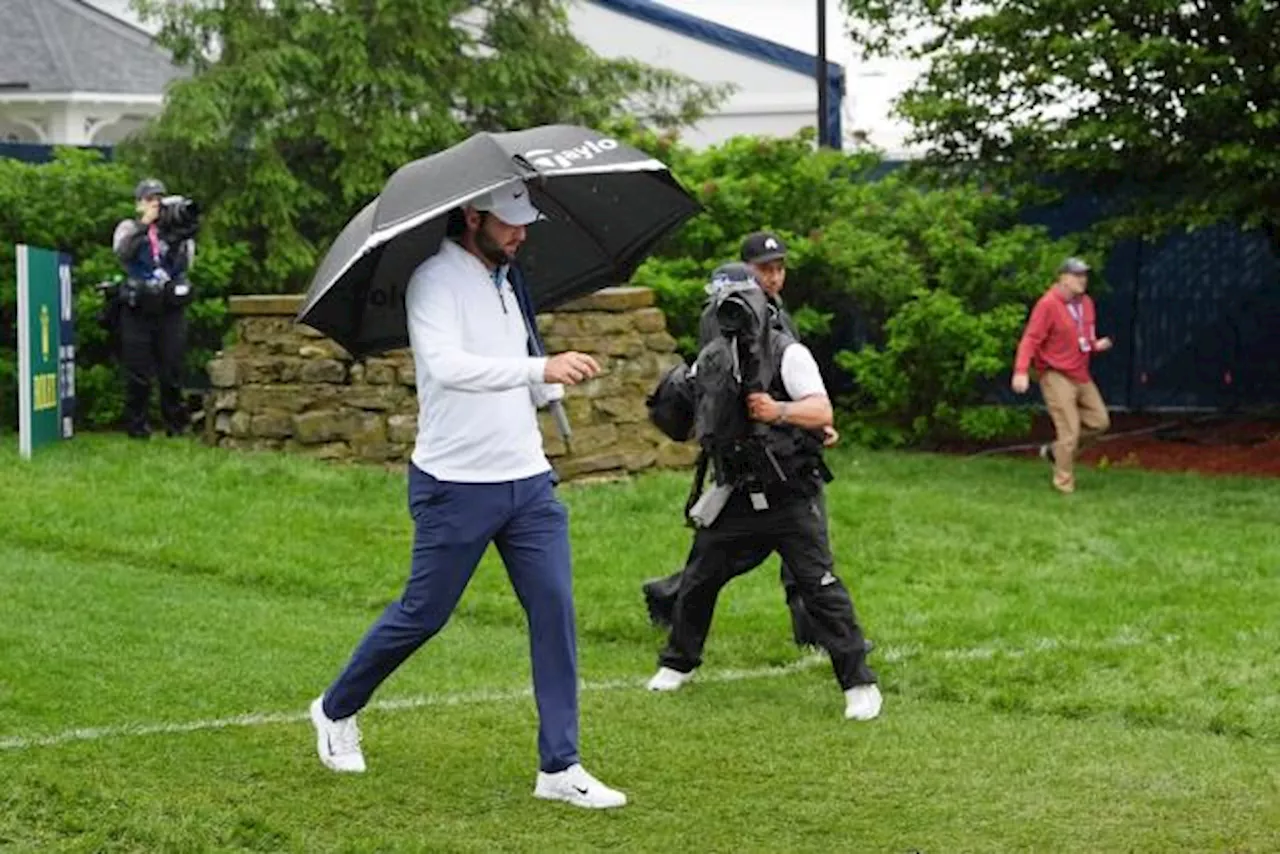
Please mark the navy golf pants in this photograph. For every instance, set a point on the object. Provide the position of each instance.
(453, 525)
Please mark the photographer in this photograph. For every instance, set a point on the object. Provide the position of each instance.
(759, 409)
(764, 257)
(156, 250)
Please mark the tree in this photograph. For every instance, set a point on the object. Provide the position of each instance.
(72, 203)
(297, 111)
(918, 293)
(1168, 106)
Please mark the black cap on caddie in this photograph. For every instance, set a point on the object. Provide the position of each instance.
(762, 246)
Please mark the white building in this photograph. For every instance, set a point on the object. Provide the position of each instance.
(71, 74)
(873, 84)
(85, 72)
(776, 86)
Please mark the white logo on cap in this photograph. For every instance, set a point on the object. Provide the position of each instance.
(770, 243)
(549, 158)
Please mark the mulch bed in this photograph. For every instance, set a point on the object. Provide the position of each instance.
(1212, 445)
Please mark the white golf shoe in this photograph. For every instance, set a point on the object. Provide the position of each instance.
(337, 742)
(575, 786)
(667, 679)
(862, 702)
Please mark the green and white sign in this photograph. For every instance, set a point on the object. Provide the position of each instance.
(46, 348)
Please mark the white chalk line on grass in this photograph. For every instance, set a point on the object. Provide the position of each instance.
(984, 653)
(462, 698)
(486, 697)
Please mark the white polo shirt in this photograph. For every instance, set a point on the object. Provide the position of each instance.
(800, 374)
(477, 420)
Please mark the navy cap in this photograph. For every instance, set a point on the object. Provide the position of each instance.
(763, 246)
(1073, 265)
(148, 187)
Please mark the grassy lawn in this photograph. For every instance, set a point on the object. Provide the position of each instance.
(1093, 673)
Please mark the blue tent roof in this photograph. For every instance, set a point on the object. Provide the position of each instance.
(743, 43)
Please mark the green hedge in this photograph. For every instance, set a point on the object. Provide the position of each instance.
(914, 297)
(72, 204)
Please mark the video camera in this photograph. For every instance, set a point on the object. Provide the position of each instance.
(745, 318)
(179, 218)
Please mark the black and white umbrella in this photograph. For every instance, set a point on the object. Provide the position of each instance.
(607, 206)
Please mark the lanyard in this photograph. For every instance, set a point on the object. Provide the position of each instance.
(153, 238)
(1076, 310)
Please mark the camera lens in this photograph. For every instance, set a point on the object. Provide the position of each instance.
(733, 316)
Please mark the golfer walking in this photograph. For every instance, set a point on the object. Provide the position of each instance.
(479, 476)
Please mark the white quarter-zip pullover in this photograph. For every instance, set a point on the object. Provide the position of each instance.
(477, 422)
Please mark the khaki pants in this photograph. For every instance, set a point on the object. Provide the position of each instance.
(1079, 417)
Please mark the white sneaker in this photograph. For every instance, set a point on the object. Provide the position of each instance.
(337, 742)
(575, 786)
(667, 679)
(862, 702)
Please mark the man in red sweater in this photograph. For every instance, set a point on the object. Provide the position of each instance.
(1058, 341)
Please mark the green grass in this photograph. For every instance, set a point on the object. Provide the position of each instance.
(1092, 673)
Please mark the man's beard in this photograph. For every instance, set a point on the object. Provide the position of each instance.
(490, 249)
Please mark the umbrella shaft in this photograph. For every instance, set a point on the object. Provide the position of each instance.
(535, 344)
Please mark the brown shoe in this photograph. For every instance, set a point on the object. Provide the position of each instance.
(1065, 485)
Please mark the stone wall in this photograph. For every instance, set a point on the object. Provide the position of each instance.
(284, 387)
